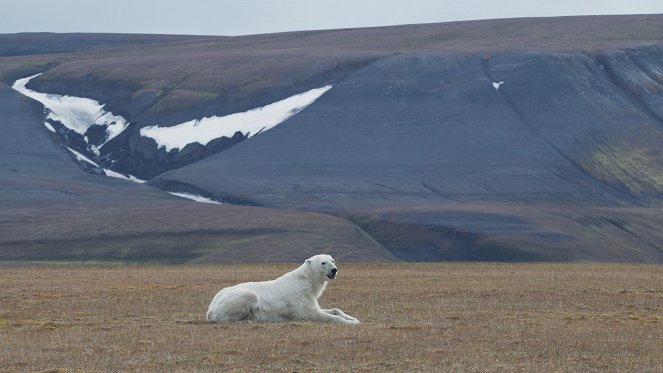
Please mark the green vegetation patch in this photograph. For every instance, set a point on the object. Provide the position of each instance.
(638, 168)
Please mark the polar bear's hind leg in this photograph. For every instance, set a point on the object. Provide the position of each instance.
(235, 305)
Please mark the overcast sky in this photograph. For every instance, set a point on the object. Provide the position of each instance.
(241, 17)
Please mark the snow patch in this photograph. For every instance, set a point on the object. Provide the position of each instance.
(249, 123)
(82, 158)
(108, 172)
(75, 113)
(79, 114)
(497, 85)
(118, 175)
(195, 197)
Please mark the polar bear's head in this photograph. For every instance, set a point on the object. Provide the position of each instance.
(323, 265)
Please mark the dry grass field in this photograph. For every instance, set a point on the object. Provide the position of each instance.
(416, 317)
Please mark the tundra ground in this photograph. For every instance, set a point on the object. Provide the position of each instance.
(415, 317)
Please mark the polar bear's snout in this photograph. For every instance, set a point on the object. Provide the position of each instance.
(332, 273)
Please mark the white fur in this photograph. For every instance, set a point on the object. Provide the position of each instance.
(293, 296)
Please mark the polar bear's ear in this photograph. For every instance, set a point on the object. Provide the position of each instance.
(308, 261)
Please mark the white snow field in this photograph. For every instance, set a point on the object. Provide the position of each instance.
(49, 127)
(249, 123)
(195, 197)
(108, 172)
(81, 157)
(75, 113)
(79, 114)
(118, 175)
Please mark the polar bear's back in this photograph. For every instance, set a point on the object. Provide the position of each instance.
(269, 289)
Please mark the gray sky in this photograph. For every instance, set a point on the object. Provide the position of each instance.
(241, 17)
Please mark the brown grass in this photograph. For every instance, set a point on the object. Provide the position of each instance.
(416, 317)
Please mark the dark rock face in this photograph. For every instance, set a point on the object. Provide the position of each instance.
(140, 156)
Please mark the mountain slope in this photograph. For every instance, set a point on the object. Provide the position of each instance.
(522, 139)
(434, 125)
(432, 130)
(50, 209)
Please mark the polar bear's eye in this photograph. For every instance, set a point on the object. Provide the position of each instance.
(323, 263)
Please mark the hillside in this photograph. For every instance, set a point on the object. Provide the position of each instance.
(52, 210)
(36, 43)
(517, 139)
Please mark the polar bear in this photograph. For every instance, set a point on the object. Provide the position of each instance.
(293, 296)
